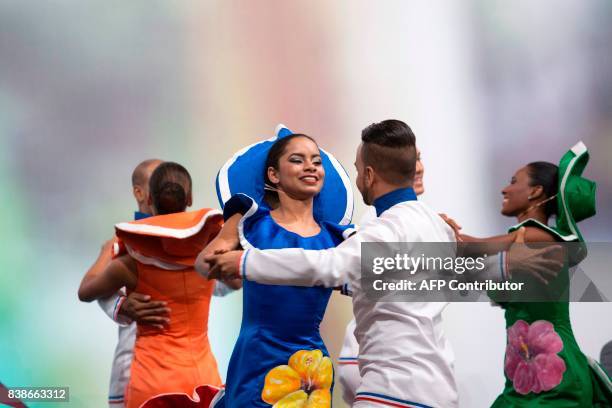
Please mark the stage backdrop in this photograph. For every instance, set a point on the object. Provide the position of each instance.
(89, 89)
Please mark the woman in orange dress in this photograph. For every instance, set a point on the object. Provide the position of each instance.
(174, 366)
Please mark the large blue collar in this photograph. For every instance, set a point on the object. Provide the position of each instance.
(384, 202)
(140, 215)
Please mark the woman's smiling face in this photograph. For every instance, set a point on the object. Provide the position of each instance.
(515, 195)
(300, 172)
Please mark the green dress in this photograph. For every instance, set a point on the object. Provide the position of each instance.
(583, 384)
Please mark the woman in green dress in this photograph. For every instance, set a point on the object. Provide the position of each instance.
(544, 366)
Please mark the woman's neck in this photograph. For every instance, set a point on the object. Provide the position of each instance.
(296, 215)
(292, 210)
(535, 213)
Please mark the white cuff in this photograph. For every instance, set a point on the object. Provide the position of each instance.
(122, 320)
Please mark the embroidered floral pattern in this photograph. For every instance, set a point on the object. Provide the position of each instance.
(303, 383)
(532, 363)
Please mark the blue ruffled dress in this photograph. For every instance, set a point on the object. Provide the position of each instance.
(277, 321)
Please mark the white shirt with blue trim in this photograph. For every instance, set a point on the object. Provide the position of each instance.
(404, 357)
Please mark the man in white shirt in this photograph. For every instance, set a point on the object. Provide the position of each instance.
(126, 310)
(404, 358)
(347, 369)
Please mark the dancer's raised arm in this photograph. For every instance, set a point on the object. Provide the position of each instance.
(98, 283)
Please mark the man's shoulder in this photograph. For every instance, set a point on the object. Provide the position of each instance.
(408, 208)
(378, 229)
(416, 218)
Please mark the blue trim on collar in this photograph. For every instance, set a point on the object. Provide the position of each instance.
(140, 215)
(384, 202)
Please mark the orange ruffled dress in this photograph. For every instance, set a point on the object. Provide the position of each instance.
(174, 367)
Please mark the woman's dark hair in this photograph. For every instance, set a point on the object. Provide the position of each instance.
(170, 187)
(545, 174)
(273, 159)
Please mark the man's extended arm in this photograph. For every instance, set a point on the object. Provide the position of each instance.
(329, 267)
(542, 264)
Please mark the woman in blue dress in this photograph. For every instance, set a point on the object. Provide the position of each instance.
(279, 358)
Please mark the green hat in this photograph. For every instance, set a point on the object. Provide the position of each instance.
(576, 198)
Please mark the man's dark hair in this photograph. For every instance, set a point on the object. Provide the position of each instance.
(170, 187)
(389, 147)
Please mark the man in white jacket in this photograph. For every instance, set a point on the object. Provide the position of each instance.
(404, 359)
(126, 310)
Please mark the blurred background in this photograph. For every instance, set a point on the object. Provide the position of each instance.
(89, 89)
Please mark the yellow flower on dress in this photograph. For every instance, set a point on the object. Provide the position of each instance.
(303, 383)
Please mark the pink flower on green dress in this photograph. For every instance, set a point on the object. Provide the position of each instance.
(532, 363)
